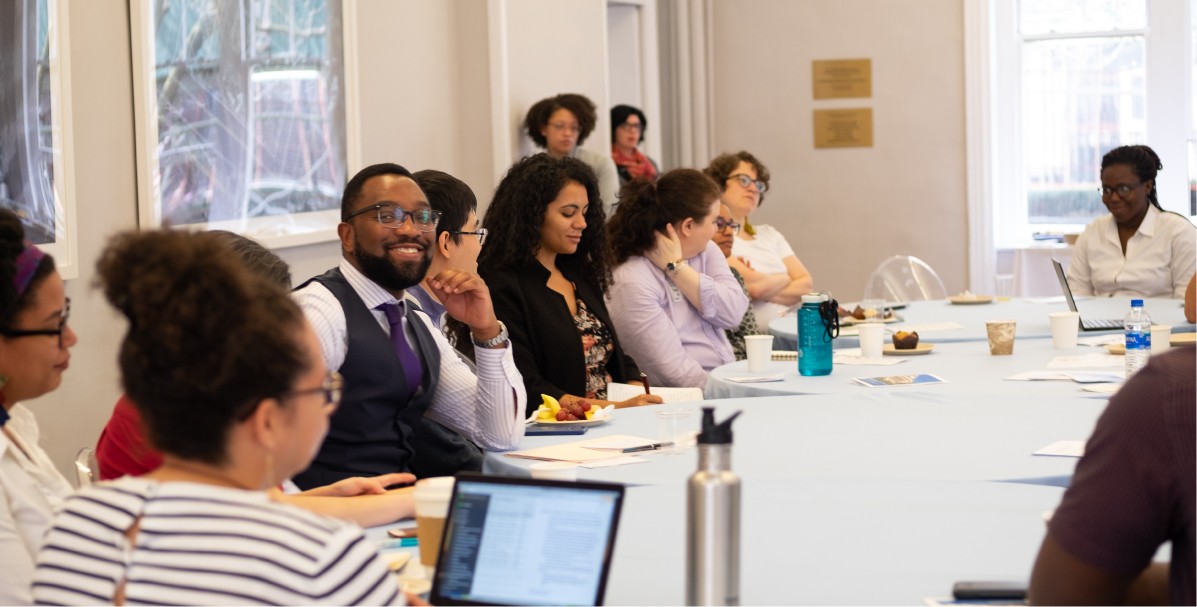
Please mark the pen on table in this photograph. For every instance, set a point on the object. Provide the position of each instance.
(648, 447)
(644, 380)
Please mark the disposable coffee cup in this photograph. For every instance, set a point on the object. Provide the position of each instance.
(1161, 338)
(1064, 329)
(432, 507)
(759, 349)
(1001, 337)
(555, 471)
(872, 337)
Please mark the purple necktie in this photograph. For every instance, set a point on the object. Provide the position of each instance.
(412, 369)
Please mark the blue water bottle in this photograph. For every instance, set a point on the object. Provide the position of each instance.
(814, 337)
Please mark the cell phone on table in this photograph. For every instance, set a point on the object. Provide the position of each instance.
(555, 430)
(980, 591)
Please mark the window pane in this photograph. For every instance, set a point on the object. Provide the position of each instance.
(1074, 16)
(1081, 97)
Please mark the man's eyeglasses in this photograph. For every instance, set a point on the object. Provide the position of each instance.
(746, 181)
(62, 323)
(1121, 190)
(480, 233)
(331, 388)
(723, 224)
(392, 216)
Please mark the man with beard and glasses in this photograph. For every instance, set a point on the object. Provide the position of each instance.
(410, 404)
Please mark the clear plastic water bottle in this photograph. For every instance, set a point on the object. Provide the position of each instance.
(1138, 337)
(814, 341)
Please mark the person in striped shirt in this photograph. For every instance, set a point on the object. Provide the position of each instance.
(232, 387)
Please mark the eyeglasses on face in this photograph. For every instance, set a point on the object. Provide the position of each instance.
(632, 126)
(722, 224)
(1120, 190)
(565, 127)
(393, 216)
(745, 181)
(331, 387)
(480, 233)
(62, 323)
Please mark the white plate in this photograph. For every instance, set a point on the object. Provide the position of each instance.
(848, 321)
(893, 305)
(580, 422)
(970, 300)
(890, 350)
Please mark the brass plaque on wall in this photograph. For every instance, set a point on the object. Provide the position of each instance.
(847, 128)
(841, 78)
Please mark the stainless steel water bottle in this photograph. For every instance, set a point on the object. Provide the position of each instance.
(713, 518)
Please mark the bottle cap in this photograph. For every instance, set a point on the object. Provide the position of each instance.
(1136, 303)
(814, 298)
(716, 433)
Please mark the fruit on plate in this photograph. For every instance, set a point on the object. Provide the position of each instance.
(859, 313)
(906, 340)
(552, 410)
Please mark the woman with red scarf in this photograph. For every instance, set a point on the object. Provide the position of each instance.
(627, 131)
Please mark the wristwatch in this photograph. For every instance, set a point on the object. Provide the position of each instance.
(674, 266)
(493, 342)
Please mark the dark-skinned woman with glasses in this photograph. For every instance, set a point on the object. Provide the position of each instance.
(1137, 249)
(35, 343)
(231, 385)
(775, 277)
(548, 275)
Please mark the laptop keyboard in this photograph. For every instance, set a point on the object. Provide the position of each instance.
(1102, 323)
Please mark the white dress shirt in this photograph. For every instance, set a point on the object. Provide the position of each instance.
(486, 408)
(31, 489)
(1159, 258)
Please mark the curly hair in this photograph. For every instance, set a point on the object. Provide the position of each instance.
(645, 208)
(538, 116)
(619, 115)
(353, 189)
(722, 166)
(207, 341)
(12, 244)
(516, 215)
(1142, 160)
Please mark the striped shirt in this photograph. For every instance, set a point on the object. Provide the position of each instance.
(204, 545)
(487, 408)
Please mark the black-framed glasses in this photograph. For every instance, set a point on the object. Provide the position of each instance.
(632, 126)
(1120, 190)
(62, 323)
(722, 224)
(331, 387)
(393, 216)
(745, 181)
(480, 233)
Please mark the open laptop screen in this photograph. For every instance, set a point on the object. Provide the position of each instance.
(514, 541)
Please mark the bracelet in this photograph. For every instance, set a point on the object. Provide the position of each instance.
(674, 266)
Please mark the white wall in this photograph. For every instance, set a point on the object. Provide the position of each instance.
(845, 210)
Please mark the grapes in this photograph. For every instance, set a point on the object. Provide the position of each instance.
(584, 404)
(562, 415)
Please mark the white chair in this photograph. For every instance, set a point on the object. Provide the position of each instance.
(87, 470)
(904, 278)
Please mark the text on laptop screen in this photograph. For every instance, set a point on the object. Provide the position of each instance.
(526, 544)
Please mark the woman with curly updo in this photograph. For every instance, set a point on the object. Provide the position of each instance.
(35, 343)
(230, 383)
(559, 125)
(672, 294)
(1138, 249)
(546, 266)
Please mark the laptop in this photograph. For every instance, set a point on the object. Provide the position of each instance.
(1099, 324)
(523, 541)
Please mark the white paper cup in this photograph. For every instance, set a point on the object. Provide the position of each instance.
(872, 337)
(432, 497)
(555, 471)
(759, 349)
(1064, 329)
(1161, 338)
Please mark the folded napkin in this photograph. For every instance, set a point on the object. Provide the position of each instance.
(752, 379)
(851, 356)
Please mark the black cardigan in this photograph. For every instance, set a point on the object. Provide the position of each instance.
(547, 348)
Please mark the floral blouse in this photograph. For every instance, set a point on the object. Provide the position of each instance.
(596, 351)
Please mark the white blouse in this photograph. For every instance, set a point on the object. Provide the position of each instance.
(31, 489)
(766, 252)
(1159, 258)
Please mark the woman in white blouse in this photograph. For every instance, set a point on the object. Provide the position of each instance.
(1138, 249)
(775, 278)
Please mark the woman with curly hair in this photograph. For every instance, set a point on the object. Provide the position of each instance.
(672, 292)
(35, 343)
(559, 125)
(548, 275)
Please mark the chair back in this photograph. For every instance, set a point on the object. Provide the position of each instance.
(904, 278)
(87, 470)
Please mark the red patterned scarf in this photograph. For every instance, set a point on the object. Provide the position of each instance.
(637, 164)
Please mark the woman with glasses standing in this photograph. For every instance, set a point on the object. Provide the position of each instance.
(559, 125)
(35, 343)
(232, 388)
(548, 275)
(776, 279)
(1137, 249)
(627, 133)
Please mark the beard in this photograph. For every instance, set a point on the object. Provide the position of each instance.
(389, 274)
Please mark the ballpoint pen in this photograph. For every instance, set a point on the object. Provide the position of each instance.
(648, 447)
(644, 380)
